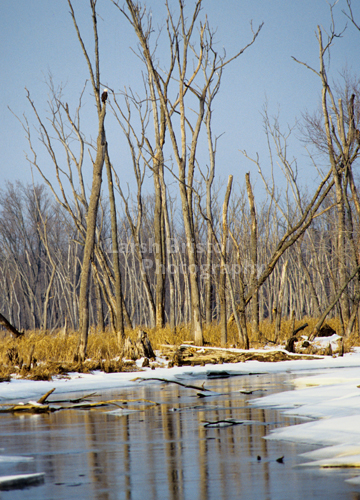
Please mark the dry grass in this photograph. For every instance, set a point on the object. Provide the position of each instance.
(39, 355)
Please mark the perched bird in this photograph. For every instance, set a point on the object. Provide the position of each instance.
(104, 95)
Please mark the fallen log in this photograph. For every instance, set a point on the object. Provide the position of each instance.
(72, 401)
(81, 403)
(222, 423)
(28, 408)
(194, 355)
(187, 386)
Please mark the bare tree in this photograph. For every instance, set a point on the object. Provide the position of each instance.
(96, 182)
(253, 256)
(222, 282)
(341, 142)
(184, 145)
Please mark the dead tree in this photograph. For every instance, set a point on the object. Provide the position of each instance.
(338, 138)
(254, 304)
(223, 264)
(189, 87)
(10, 328)
(279, 301)
(96, 183)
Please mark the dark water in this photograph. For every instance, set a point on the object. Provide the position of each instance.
(165, 451)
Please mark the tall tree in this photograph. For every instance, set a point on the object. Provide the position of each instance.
(337, 136)
(96, 182)
(185, 137)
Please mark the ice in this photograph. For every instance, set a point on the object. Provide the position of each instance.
(21, 480)
(332, 397)
(14, 459)
(326, 391)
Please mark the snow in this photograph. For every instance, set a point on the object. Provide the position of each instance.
(21, 480)
(4, 459)
(325, 393)
(325, 341)
(22, 388)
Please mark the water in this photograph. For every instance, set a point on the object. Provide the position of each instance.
(165, 451)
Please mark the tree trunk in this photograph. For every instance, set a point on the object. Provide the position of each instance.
(90, 235)
(169, 258)
(280, 301)
(192, 270)
(119, 317)
(223, 264)
(254, 304)
(337, 176)
(159, 246)
(99, 308)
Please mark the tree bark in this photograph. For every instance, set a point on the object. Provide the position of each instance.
(4, 322)
(280, 301)
(337, 176)
(254, 304)
(159, 245)
(119, 317)
(90, 235)
(223, 264)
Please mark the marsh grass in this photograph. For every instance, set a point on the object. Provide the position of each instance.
(39, 355)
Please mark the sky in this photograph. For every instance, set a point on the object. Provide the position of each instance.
(38, 39)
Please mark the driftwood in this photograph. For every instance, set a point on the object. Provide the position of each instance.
(290, 343)
(222, 423)
(81, 403)
(191, 355)
(4, 322)
(144, 345)
(73, 401)
(27, 408)
(45, 396)
(167, 381)
(140, 349)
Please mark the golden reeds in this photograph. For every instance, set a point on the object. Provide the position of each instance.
(39, 355)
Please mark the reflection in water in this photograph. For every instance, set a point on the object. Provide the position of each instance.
(165, 451)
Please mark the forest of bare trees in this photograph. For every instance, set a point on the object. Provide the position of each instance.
(199, 252)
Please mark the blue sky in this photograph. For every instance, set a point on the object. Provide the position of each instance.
(38, 38)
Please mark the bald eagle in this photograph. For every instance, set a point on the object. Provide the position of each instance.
(104, 95)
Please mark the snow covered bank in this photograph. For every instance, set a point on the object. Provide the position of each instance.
(96, 381)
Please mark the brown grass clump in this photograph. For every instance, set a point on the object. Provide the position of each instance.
(39, 356)
(167, 336)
